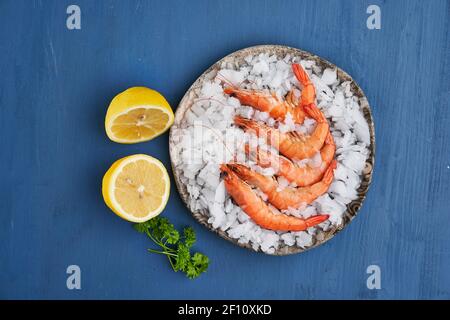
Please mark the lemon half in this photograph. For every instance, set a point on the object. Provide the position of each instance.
(137, 114)
(136, 187)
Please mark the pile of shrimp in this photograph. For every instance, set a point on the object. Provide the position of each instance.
(307, 182)
(241, 151)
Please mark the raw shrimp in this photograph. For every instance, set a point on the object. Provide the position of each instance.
(301, 176)
(288, 197)
(291, 144)
(259, 211)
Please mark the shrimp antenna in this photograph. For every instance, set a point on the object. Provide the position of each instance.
(213, 99)
(214, 131)
(222, 78)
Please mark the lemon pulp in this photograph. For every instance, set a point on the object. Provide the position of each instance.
(136, 187)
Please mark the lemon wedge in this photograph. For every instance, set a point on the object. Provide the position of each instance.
(137, 114)
(136, 187)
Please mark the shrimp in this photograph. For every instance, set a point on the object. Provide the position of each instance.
(291, 144)
(268, 102)
(289, 197)
(308, 95)
(259, 211)
(272, 104)
(301, 176)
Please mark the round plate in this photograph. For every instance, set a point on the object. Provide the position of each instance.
(238, 56)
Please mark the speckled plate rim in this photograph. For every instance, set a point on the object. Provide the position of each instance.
(186, 102)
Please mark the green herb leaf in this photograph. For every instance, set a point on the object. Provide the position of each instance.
(183, 257)
(201, 262)
(164, 234)
(189, 236)
(160, 227)
(196, 265)
(191, 271)
(140, 227)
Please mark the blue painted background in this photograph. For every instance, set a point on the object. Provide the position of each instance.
(56, 85)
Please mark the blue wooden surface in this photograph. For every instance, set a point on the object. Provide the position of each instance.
(56, 85)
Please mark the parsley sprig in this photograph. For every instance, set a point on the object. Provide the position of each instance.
(176, 247)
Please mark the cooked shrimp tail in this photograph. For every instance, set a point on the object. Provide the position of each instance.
(313, 112)
(328, 175)
(315, 220)
(301, 74)
(308, 95)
